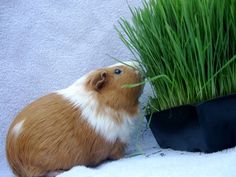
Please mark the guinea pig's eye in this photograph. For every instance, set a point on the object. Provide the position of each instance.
(117, 71)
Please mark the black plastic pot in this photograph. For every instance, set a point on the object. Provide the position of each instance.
(207, 127)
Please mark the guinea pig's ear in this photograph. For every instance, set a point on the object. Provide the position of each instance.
(98, 80)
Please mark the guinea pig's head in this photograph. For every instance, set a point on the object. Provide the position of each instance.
(108, 86)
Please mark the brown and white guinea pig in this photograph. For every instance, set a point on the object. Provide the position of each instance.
(84, 124)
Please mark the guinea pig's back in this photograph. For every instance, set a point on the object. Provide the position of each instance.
(50, 134)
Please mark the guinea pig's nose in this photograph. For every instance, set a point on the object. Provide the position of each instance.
(137, 67)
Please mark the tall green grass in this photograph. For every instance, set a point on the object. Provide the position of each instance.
(190, 42)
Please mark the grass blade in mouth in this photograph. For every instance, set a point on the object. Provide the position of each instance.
(147, 80)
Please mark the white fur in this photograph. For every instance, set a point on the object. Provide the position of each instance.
(18, 128)
(102, 123)
(134, 64)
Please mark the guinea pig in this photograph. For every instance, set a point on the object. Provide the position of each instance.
(83, 124)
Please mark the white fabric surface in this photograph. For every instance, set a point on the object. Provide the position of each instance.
(166, 163)
(47, 44)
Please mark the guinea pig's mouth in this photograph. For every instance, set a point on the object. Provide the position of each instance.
(141, 75)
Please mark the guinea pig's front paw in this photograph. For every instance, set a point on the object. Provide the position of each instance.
(118, 151)
(54, 173)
